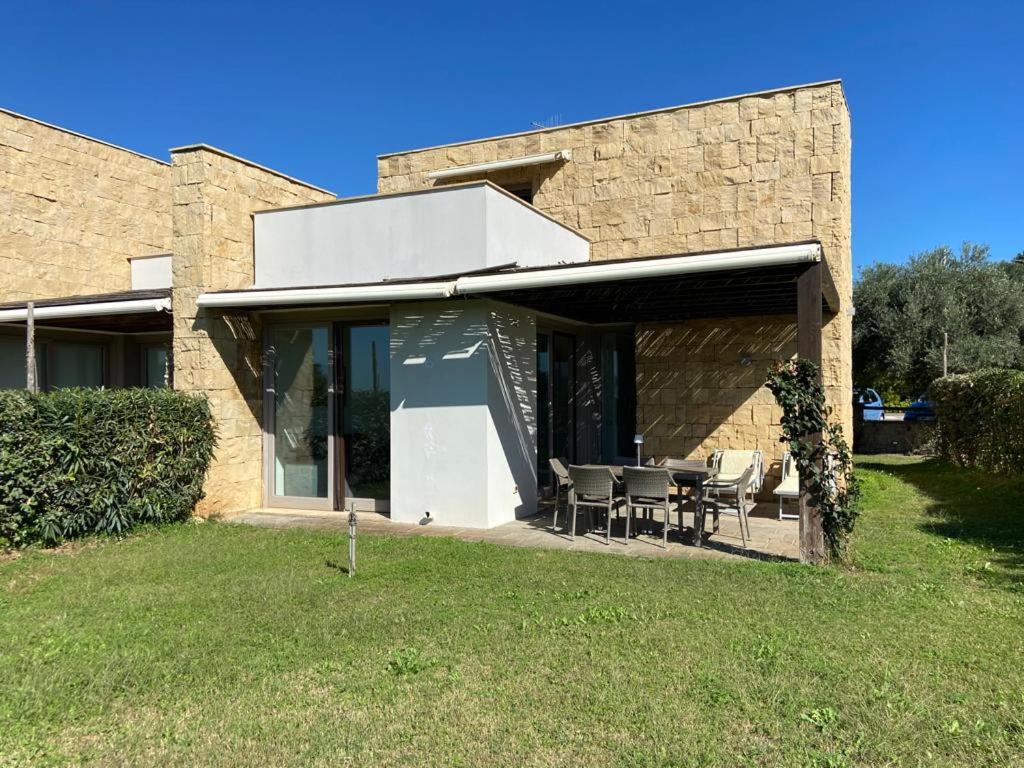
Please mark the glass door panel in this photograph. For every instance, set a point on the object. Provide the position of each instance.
(563, 401)
(543, 409)
(301, 418)
(366, 411)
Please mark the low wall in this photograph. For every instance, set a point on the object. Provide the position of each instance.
(892, 436)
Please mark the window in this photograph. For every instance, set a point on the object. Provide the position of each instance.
(75, 365)
(155, 366)
(618, 394)
(12, 363)
(523, 191)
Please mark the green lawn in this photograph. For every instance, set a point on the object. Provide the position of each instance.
(225, 645)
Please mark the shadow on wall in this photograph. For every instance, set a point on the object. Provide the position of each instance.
(513, 407)
(444, 347)
(472, 356)
(700, 386)
(237, 339)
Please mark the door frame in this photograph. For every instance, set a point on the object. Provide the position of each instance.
(339, 395)
(551, 333)
(270, 498)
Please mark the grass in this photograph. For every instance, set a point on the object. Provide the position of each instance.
(225, 645)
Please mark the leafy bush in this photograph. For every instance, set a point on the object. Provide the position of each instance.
(821, 453)
(981, 419)
(78, 461)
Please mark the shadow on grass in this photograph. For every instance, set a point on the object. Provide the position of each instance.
(970, 506)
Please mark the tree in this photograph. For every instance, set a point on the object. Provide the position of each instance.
(904, 309)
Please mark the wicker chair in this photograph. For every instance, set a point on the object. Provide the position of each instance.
(677, 494)
(716, 506)
(647, 488)
(562, 483)
(592, 487)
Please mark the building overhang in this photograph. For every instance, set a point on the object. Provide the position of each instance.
(140, 311)
(746, 281)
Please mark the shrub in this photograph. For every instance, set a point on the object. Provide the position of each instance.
(79, 461)
(981, 419)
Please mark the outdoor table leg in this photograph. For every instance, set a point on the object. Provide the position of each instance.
(698, 514)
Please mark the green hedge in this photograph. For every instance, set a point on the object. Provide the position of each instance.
(79, 461)
(981, 419)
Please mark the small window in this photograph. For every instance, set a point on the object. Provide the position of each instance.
(156, 366)
(522, 191)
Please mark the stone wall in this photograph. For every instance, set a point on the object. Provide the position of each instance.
(757, 170)
(700, 386)
(73, 210)
(220, 354)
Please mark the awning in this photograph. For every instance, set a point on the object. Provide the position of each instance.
(500, 165)
(743, 281)
(135, 311)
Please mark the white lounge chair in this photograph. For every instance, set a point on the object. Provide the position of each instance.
(789, 488)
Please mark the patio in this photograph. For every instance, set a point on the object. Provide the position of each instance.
(771, 539)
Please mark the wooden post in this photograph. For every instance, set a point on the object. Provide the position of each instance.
(30, 347)
(808, 335)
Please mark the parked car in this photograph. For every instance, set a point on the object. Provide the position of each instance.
(872, 403)
(921, 409)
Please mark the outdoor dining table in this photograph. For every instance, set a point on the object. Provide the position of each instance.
(691, 474)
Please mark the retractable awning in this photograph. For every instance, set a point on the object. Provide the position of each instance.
(745, 281)
(139, 311)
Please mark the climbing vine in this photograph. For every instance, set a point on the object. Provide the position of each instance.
(821, 453)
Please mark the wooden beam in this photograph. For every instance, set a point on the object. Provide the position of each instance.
(30, 347)
(808, 324)
(828, 288)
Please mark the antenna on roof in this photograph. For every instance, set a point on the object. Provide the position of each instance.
(550, 122)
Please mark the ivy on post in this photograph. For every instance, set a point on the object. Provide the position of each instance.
(828, 486)
(808, 332)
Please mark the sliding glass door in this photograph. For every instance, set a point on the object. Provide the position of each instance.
(300, 414)
(556, 401)
(365, 428)
(328, 410)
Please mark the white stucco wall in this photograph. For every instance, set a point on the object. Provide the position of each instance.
(442, 231)
(463, 413)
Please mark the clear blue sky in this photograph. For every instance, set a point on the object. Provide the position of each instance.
(935, 89)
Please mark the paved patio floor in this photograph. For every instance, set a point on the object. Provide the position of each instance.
(770, 538)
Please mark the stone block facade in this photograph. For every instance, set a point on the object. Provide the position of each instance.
(73, 210)
(220, 354)
(763, 169)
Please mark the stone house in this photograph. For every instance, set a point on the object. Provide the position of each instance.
(498, 302)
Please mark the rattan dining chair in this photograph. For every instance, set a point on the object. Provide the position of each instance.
(592, 487)
(562, 483)
(678, 495)
(647, 488)
(717, 506)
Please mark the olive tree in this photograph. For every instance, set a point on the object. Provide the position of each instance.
(904, 310)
